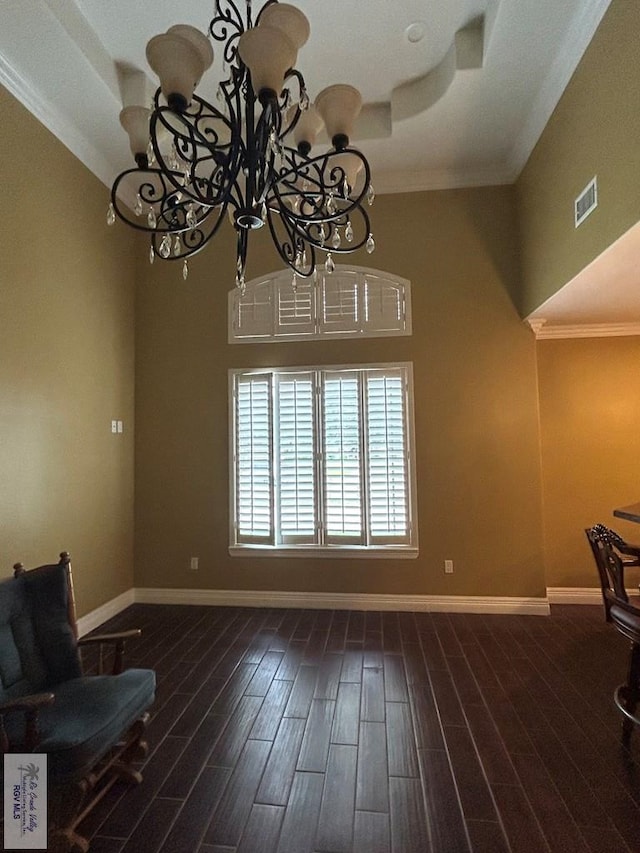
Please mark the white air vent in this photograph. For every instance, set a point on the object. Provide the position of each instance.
(586, 201)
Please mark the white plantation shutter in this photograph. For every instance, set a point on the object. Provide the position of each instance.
(295, 420)
(253, 449)
(295, 313)
(339, 308)
(342, 455)
(324, 458)
(387, 456)
(384, 304)
(253, 311)
(351, 301)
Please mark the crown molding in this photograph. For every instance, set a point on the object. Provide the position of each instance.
(581, 330)
(408, 181)
(561, 70)
(55, 121)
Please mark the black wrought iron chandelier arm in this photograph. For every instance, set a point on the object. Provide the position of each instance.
(294, 249)
(200, 162)
(187, 243)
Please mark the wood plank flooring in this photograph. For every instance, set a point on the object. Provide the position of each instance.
(313, 731)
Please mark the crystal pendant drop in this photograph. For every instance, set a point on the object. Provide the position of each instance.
(138, 208)
(111, 215)
(348, 232)
(304, 100)
(345, 189)
(263, 212)
(304, 258)
(165, 246)
(331, 205)
(315, 275)
(329, 265)
(294, 282)
(371, 194)
(173, 159)
(152, 254)
(335, 240)
(185, 270)
(370, 244)
(177, 245)
(191, 218)
(219, 94)
(323, 235)
(151, 157)
(151, 218)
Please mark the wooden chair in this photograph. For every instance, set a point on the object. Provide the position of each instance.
(612, 554)
(91, 727)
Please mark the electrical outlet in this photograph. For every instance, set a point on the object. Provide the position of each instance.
(114, 426)
(194, 564)
(448, 567)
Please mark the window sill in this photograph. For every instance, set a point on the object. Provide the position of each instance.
(332, 552)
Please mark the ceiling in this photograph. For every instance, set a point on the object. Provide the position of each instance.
(456, 92)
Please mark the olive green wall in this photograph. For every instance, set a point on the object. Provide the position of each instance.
(479, 492)
(590, 439)
(66, 365)
(594, 131)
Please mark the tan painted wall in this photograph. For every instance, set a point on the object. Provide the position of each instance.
(594, 131)
(479, 490)
(66, 365)
(590, 439)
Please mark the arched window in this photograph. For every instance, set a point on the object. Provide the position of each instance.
(350, 302)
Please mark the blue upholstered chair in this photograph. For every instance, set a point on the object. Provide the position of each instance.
(91, 727)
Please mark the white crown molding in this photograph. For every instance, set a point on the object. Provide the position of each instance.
(55, 121)
(576, 41)
(574, 595)
(106, 611)
(586, 330)
(387, 183)
(344, 601)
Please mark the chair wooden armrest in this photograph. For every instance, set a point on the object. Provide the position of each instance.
(117, 640)
(29, 706)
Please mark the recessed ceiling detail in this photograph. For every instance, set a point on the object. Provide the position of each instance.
(416, 96)
(462, 106)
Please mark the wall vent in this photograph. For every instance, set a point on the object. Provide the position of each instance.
(586, 201)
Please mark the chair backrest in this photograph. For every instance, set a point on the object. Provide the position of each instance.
(609, 564)
(38, 644)
(604, 545)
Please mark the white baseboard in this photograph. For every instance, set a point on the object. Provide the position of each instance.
(317, 600)
(574, 595)
(344, 601)
(105, 611)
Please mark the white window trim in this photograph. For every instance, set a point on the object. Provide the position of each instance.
(271, 331)
(330, 551)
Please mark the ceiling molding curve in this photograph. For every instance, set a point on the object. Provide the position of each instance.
(416, 96)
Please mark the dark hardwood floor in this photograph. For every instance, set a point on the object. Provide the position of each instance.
(313, 731)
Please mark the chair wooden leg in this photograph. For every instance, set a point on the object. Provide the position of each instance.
(632, 693)
(65, 803)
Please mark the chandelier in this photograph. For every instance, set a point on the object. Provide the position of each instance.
(249, 157)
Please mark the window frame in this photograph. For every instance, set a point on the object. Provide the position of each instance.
(369, 287)
(323, 546)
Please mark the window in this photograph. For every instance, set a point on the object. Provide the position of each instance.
(351, 301)
(323, 460)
